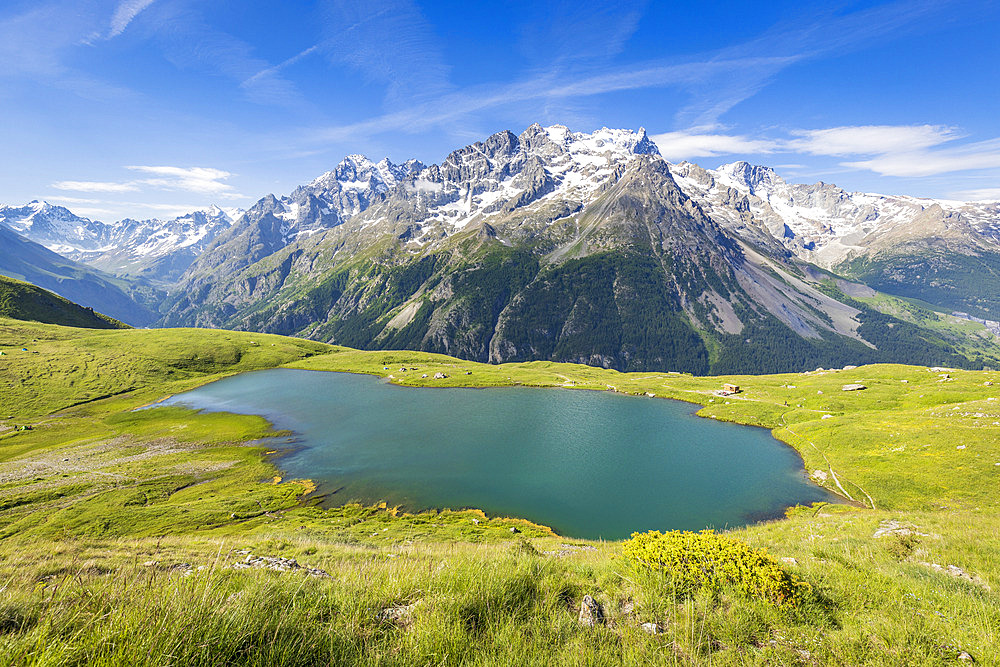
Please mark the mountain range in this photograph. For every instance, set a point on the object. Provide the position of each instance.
(568, 246)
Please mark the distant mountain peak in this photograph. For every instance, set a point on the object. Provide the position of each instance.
(616, 141)
(750, 175)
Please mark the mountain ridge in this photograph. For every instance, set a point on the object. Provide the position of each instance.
(453, 257)
(585, 247)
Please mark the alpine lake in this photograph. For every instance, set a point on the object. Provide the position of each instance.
(587, 464)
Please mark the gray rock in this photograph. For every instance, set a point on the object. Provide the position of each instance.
(591, 613)
(651, 628)
(401, 615)
(275, 563)
(892, 527)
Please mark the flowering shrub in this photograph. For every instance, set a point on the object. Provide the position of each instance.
(706, 561)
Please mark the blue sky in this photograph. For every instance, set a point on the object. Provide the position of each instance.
(154, 107)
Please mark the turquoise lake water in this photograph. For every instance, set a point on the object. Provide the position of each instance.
(588, 464)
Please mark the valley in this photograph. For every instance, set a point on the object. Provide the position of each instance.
(560, 246)
(581, 268)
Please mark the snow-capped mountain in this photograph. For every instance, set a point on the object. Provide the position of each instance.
(327, 201)
(554, 244)
(488, 236)
(823, 223)
(55, 227)
(127, 247)
(543, 168)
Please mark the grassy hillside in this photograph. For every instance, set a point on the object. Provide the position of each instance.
(132, 537)
(22, 259)
(24, 301)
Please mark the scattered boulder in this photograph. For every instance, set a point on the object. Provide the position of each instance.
(965, 656)
(401, 615)
(957, 572)
(514, 530)
(567, 549)
(893, 527)
(439, 376)
(853, 387)
(591, 613)
(788, 560)
(651, 628)
(275, 563)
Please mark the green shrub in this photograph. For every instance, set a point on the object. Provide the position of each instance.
(706, 561)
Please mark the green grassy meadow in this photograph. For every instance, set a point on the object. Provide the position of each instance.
(122, 533)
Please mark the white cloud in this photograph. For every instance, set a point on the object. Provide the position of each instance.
(930, 162)
(869, 139)
(889, 150)
(982, 194)
(198, 180)
(95, 186)
(124, 13)
(694, 144)
(203, 180)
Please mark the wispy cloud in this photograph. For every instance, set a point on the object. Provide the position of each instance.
(202, 180)
(889, 150)
(697, 144)
(268, 72)
(981, 194)
(870, 139)
(578, 31)
(543, 87)
(95, 186)
(197, 180)
(811, 35)
(125, 12)
(389, 42)
(190, 43)
(33, 42)
(934, 161)
(716, 81)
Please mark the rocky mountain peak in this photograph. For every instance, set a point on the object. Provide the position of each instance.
(751, 177)
(616, 142)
